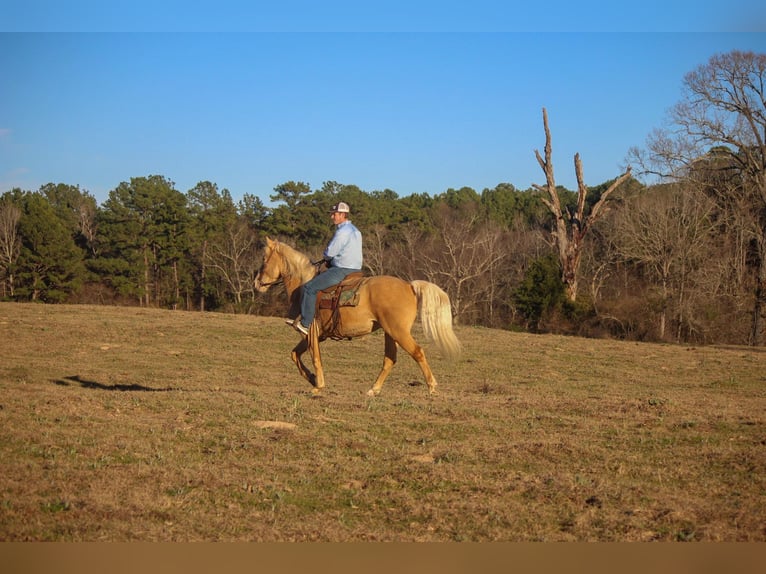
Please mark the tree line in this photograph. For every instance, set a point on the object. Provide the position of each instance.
(682, 258)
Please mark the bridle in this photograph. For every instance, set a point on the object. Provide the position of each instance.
(285, 276)
(270, 283)
(260, 271)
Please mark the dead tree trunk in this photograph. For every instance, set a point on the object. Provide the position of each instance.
(569, 231)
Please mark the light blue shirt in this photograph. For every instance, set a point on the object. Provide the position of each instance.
(345, 247)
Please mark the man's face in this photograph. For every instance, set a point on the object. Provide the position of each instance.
(337, 217)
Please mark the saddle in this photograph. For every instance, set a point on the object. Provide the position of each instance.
(344, 294)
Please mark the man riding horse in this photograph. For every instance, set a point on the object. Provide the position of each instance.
(342, 256)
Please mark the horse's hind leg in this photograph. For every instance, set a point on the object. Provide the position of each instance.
(389, 360)
(416, 352)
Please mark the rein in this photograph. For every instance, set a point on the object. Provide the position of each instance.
(271, 283)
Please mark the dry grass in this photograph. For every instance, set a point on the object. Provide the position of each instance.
(127, 424)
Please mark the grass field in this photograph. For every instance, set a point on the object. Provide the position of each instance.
(127, 424)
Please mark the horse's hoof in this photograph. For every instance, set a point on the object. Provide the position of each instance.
(316, 392)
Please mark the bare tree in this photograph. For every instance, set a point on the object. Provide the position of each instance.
(721, 122)
(10, 243)
(569, 231)
(668, 231)
(86, 212)
(410, 243)
(234, 259)
(375, 249)
(463, 257)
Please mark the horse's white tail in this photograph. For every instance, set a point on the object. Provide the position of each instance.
(436, 317)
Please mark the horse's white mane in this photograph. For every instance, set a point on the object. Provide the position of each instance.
(295, 261)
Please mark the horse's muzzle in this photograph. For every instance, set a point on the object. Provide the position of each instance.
(262, 287)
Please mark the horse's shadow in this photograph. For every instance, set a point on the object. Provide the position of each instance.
(86, 384)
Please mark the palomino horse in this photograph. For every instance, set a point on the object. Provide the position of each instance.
(383, 302)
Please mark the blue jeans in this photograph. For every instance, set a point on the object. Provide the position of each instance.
(328, 278)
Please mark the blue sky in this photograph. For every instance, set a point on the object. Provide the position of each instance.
(414, 97)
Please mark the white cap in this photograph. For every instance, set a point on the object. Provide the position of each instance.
(340, 207)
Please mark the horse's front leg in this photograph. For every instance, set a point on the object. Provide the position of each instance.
(313, 345)
(310, 343)
(296, 355)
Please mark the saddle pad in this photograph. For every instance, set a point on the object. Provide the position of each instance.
(347, 297)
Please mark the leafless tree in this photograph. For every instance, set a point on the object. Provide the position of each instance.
(721, 122)
(406, 252)
(234, 259)
(375, 249)
(86, 212)
(569, 230)
(668, 231)
(463, 257)
(10, 243)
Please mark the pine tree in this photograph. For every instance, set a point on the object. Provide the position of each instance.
(50, 265)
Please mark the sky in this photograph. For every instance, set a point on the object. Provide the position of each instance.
(415, 97)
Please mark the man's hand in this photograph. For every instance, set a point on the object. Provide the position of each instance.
(320, 264)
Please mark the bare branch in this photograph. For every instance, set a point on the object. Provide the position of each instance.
(597, 210)
(568, 239)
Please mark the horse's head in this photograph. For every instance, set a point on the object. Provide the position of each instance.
(271, 269)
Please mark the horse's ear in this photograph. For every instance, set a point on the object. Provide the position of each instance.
(269, 241)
